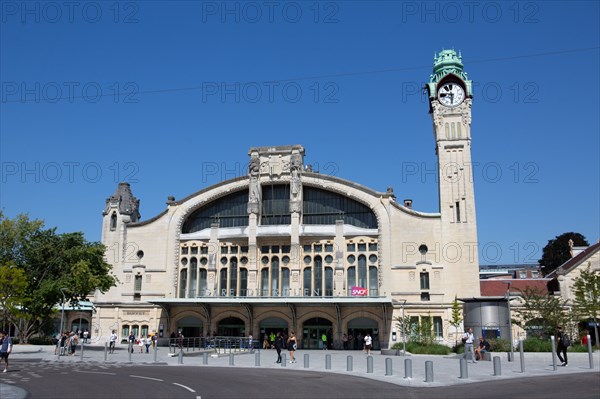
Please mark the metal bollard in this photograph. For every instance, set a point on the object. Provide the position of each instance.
(369, 364)
(180, 357)
(497, 367)
(283, 360)
(464, 370)
(257, 359)
(388, 366)
(155, 349)
(82, 351)
(349, 364)
(205, 358)
(105, 351)
(306, 361)
(553, 352)
(590, 353)
(129, 351)
(522, 352)
(429, 371)
(407, 368)
(231, 362)
(328, 362)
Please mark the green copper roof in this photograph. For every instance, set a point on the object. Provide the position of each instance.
(444, 63)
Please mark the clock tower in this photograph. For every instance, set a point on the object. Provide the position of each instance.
(450, 99)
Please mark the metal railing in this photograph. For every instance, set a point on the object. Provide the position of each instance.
(220, 345)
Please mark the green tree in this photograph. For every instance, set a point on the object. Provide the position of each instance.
(558, 251)
(586, 289)
(50, 262)
(13, 286)
(457, 318)
(546, 311)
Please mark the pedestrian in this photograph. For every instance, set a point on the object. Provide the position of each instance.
(64, 339)
(6, 345)
(73, 341)
(484, 346)
(86, 333)
(113, 341)
(468, 339)
(148, 342)
(265, 344)
(131, 340)
(345, 341)
(562, 343)
(279, 344)
(324, 340)
(292, 345)
(142, 343)
(368, 343)
(251, 342)
(153, 339)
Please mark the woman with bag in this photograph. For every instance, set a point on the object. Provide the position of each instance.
(292, 344)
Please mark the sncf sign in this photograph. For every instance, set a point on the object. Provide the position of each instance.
(359, 291)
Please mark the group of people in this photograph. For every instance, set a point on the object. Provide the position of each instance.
(66, 343)
(476, 352)
(144, 341)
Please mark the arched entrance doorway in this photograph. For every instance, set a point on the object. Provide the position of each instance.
(270, 327)
(312, 331)
(231, 327)
(190, 327)
(358, 328)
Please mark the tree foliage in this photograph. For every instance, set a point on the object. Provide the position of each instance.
(586, 290)
(49, 262)
(558, 251)
(457, 318)
(542, 310)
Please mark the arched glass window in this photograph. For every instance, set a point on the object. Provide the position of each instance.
(243, 281)
(373, 282)
(351, 279)
(223, 282)
(325, 207)
(275, 276)
(285, 281)
(264, 281)
(307, 278)
(328, 281)
(362, 271)
(182, 283)
(318, 274)
(228, 211)
(233, 275)
(203, 275)
(193, 277)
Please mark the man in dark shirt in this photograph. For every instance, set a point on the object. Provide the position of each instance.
(484, 346)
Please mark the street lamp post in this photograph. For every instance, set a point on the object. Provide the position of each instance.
(62, 316)
(510, 332)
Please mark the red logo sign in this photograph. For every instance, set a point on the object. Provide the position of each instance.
(359, 291)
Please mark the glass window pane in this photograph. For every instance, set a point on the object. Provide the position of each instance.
(182, 283)
(264, 281)
(307, 281)
(373, 282)
(318, 275)
(362, 271)
(351, 278)
(275, 276)
(285, 281)
(328, 281)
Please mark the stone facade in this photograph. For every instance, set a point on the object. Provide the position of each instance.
(286, 248)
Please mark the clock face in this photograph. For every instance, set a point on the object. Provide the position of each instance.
(451, 94)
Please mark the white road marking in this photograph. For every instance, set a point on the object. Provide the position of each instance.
(146, 378)
(183, 386)
(93, 372)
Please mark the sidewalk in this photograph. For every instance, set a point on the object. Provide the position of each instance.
(446, 369)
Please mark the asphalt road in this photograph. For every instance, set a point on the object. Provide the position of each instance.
(95, 380)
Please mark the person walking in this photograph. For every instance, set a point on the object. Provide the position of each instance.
(6, 345)
(324, 341)
(561, 346)
(279, 344)
(368, 343)
(468, 339)
(292, 345)
(112, 341)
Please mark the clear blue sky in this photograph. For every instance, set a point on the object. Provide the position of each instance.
(188, 87)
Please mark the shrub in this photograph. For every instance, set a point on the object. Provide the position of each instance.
(537, 345)
(423, 349)
(41, 341)
(499, 345)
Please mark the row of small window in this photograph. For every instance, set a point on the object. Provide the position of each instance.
(284, 259)
(233, 249)
(135, 330)
(276, 249)
(275, 281)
